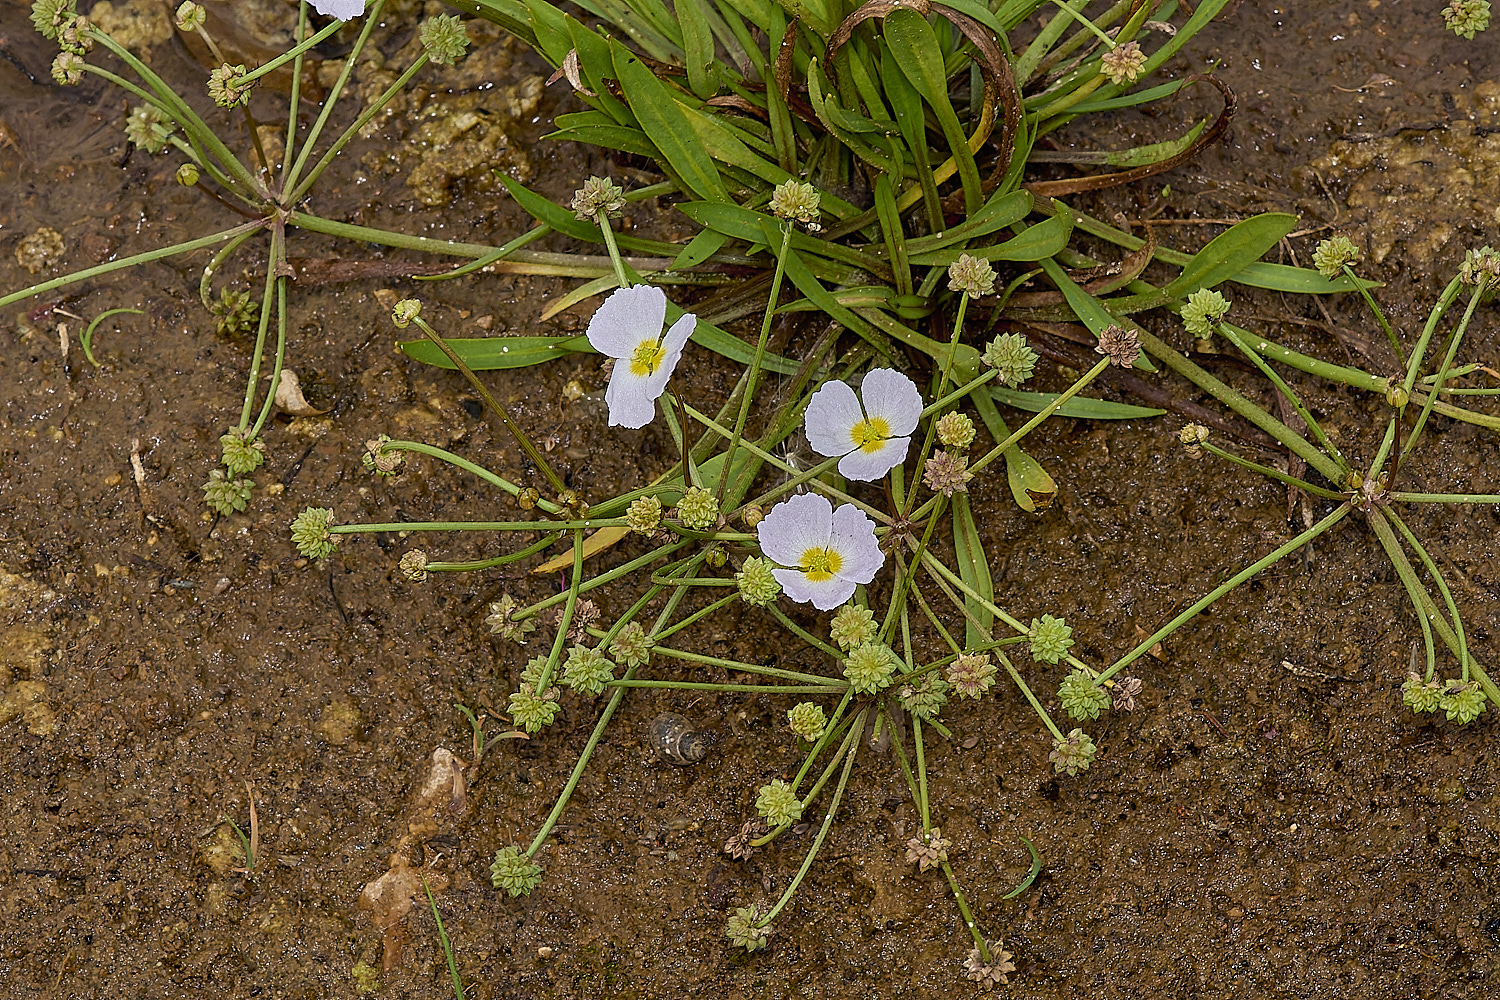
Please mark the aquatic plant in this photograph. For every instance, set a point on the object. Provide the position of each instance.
(1418, 391)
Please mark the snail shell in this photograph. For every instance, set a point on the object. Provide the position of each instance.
(673, 739)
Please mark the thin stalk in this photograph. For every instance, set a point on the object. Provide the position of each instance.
(349, 133)
(289, 143)
(484, 393)
(1442, 372)
(739, 688)
(1241, 339)
(583, 759)
(552, 526)
(850, 750)
(622, 274)
(1296, 443)
(371, 19)
(803, 634)
(696, 616)
(479, 564)
(1015, 675)
(741, 667)
(280, 357)
(1374, 307)
(760, 352)
(267, 302)
(458, 461)
(1281, 552)
(182, 113)
(566, 621)
(926, 449)
(1266, 470)
(245, 228)
(610, 575)
(295, 53)
(1432, 571)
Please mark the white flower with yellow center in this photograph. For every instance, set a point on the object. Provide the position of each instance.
(627, 327)
(822, 553)
(871, 430)
(344, 10)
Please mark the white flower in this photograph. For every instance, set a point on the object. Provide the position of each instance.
(344, 10)
(627, 327)
(871, 431)
(828, 551)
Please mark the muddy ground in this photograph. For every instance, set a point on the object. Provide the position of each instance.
(1269, 822)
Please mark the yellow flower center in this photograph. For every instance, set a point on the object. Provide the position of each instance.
(820, 564)
(647, 358)
(870, 434)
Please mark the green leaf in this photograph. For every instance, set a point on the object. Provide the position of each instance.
(1232, 251)
(1000, 211)
(1081, 407)
(918, 55)
(667, 127)
(697, 46)
(1034, 243)
(700, 248)
(495, 353)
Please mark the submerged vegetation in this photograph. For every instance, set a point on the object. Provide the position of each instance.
(859, 177)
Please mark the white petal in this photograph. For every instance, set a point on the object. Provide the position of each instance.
(825, 595)
(888, 394)
(672, 345)
(627, 317)
(867, 466)
(344, 10)
(631, 404)
(832, 414)
(792, 527)
(854, 540)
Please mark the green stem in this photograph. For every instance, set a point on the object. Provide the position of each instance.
(349, 133)
(294, 104)
(696, 616)
(583, 759)
(1015, 675)
(484, 393)
(267, 303)
(350, 529)
(140, 258)
(850, 750)
(1296, 443)
(296, 52)
(622, 274)
(1442, 372)
(371, 19)
(182, 113)
(460, 462)
(803, 634)
(1274, 557)
(1437, 577)
(270, 400)
(753, 375)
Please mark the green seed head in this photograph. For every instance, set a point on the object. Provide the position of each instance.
(1463, 17)
(807, 721)
(598, 194)
(515, 872)
(587, 671)
(310, 532)
(852, 626)
(1082, 697)
(1073, 754)
(632, 646)
(742, 931)
(698, 509)
(445, 39)
(971, 275)
(226, 495)
(1010, 355)
(778, 804)
(1331, 256)
(1050, 638)
(757, 583)
(1203, 309)
(869, 667)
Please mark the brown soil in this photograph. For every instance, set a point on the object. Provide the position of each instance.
(1269, 821)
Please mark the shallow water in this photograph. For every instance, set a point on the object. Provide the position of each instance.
(1268, 822)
